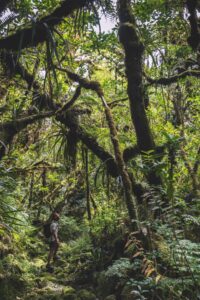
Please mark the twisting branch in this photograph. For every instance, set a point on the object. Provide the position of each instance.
(14, 67)
(89, 141)
(130, 153)
(89, 85)
(67, 118)
(128, 187)
(31, 37)
(9, 129)
(117, 102)
(70, 102)
(174, 78)
(20, 123)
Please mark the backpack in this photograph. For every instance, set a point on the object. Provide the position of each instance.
(46, 230)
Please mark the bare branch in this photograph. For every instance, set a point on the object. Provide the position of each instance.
(117, 102)
(174, 78)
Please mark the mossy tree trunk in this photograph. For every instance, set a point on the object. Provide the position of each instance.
(127, 184)
(134, 49)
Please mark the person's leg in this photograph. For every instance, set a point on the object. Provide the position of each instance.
(51, 253)
(55, 251)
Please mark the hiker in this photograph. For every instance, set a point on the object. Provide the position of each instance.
(54, 240)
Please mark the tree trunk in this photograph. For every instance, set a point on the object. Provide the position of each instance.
(133, 62)
(130, 200)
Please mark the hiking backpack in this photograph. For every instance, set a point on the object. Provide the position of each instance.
(47, 230)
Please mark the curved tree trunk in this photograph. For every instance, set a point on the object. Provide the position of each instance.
(133, 49)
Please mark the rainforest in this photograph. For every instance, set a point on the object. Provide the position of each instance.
(99, 150)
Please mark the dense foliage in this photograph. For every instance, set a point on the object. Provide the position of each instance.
(103, 127)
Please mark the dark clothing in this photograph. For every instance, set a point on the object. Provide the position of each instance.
(53, 245)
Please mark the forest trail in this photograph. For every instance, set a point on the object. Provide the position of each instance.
(84, 273)
(61, 283)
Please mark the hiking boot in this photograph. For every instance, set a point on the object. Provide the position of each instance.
(49, 269)
(56, 258)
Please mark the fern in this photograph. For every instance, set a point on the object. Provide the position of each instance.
(191, 220)
(119, 268)
(187, 256)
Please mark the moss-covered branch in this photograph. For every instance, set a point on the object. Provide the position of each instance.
(70, 102)
(89, 141)
(9, 129)
(38, 33)
(67, 117)
(119, 161)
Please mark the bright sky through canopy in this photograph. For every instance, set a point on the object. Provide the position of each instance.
(107, 24)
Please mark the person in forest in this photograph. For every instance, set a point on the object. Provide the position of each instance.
(54, 240)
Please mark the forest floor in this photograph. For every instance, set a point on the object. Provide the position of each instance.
(23, 274)
(92, 267)
(64, 282)
(60, 284)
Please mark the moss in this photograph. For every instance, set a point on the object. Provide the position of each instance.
(38, 263)
(127, 35)
(110, 297)
(47, 277)
(163, 248)
(68, 289)
(70, 297)
(52, 291)
(86, 295)
(106, 285)
(11, 286)
(49, 297)
(44, 297)
(129, 294)
(4, 249)
(69, 293)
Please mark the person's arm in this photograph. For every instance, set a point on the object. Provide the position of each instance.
(54, 233)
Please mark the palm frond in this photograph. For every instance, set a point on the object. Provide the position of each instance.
(6, 18)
